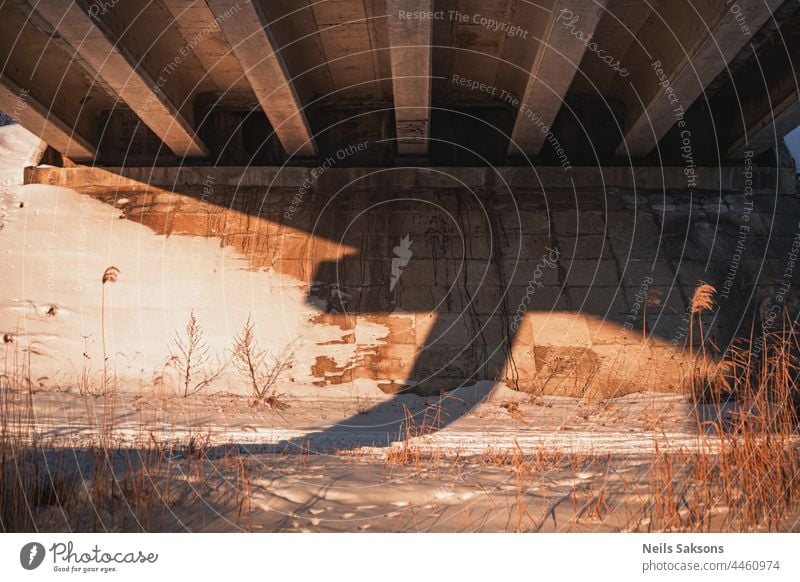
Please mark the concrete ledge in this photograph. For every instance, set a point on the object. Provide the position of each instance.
(764, 180)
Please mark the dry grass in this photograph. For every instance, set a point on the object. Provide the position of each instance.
(745, 472)
(102, 485)
(516, 461)
(407, 454)
(742, 475)
(153, 486)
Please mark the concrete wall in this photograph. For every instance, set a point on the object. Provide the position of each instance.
(488, 275)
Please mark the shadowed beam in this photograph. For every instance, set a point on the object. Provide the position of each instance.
(244, 26)
(410, 53)
(554, 66)
(770, 129)
(42, 122)
(770, 104)
(704, 59)
(118, 71)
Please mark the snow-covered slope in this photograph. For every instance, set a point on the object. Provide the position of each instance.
(54, 248)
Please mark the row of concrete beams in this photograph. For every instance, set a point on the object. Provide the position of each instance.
(554, 67)
(703, 60)
(556, 63)
(109, 65)
(559, 57)
(41, 122)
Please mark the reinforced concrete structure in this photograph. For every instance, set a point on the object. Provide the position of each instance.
(515, 190)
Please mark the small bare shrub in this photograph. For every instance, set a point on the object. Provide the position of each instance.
(189, 357)
(260, 367)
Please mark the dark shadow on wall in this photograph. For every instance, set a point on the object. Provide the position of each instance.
(477, 259)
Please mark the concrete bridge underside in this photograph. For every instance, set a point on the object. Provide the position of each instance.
(427, 82)
(549, 163)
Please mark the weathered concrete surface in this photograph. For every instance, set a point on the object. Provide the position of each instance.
(410, 41)
(769, 109)
(123, 75)
(43, 123)
(764, 180)
(200, 31)
(710, 35)
(264, 68)
(580, 292)
(556, 63)
(41, 74)
(572, 83)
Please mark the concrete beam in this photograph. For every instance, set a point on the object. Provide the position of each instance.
(200, 30)
(769, 130)
(42, 122)
(118, 71)
(704, 60)
(764, 180)
(554, 66)
(410, 54)
(243, 25)
(769, 95)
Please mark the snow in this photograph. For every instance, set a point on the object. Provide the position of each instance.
(54, 248)
(57, 243)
